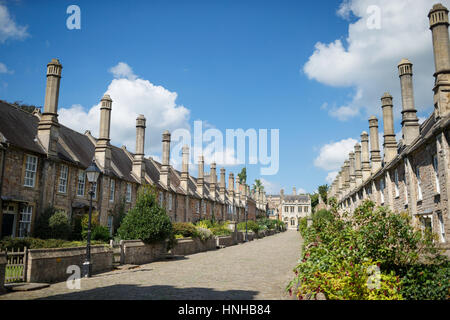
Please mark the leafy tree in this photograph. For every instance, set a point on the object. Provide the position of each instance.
(41, 229)
(258, 186)
(323, 191)
(243, 176)
(147, 221)
(60, 226)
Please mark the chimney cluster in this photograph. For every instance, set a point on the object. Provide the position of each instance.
(360, 167)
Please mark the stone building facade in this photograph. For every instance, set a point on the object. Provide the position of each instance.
(43, 162)
(290, 208)
(413, 176)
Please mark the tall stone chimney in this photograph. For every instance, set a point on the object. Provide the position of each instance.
(201, 175)
(102, 147)
(410, 122)
(164, 176)
(222, 186)
(375, 156)
(294, 191)
(358, 165)
(138, 161)
(213, 183)
(390, 144)
(48, 128)
(438, 17)
(346, 185)
(184, 179)
(231, 182)
(282, 194)
(365, 158)
(351, 157)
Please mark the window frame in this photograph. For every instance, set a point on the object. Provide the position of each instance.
(62, 182)
(27, 170)
(128, 193)
(81, 172)
(436, 174)
(112, 190)
(25, 222)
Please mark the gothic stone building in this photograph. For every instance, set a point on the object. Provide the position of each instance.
(290, 208)
(414, 174)
(43, 162)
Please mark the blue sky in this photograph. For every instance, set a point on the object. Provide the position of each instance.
(234, 64)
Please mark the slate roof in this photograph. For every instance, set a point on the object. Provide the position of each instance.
(299, 198)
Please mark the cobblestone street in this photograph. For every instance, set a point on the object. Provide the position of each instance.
(260, 269)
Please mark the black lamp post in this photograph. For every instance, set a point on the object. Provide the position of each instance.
(92, 173)
(246, 218)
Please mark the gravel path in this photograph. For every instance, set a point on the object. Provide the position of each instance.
(260, 269)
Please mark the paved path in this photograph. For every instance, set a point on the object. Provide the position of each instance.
(260, 269)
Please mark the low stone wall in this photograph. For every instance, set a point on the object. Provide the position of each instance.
(2, 271)
(188, 246)
(226, 241)
(50, 265)
(137, 252)
(241, 236)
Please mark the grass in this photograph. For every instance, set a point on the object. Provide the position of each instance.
(13, 272)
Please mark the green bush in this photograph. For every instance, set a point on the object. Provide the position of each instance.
(203, 234)
(426, 282)
(322, 214)
(41, 228)
(251, 225)
(77, 229)
(100, 233)
(35, 243)
(207, 223)
(184, 229)
(338, 252)
(221, 231)
(147, 221)
(60, 227)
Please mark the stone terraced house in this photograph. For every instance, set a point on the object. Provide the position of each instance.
(43, 162)
(290, 208)
(414, 175)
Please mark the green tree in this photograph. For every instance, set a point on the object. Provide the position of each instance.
(243, 176)
(258, 186)
(59, 225)
(323, 191)
(147, 221)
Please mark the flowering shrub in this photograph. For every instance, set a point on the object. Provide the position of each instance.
(358, 256)
(204, 234)
(251, 226)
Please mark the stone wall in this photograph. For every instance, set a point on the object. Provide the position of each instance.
(137, 252)
(226, 241)
(50, 265)
(188, 246)
(2, 271)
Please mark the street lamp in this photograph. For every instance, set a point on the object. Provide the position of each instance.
(92, 173)
(246, 215)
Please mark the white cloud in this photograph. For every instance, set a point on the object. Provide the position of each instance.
(4, 69)
(331, 176)
(270, 187)
(333, 155)
(132, 97)
(8, 27)
(123, 70)
(367, 59)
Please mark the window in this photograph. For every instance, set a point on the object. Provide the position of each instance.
(128, 192)
(419, 185)
(382, 191)
(197, 206)
(81, 183)
(441, 227)
(63, 179)
(110, 225)
(292, 209)
(405, 185)
(286, 209)
(25, 221)
(299, 208)
(397, 192)
(292, 222)
(436, 173)
(30, 171)
(306, 209)
(204, 207)
(170, 202)
(112, 188)
(161, 199)
(94, 190)
(427, 223)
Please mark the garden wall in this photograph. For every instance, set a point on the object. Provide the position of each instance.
(2, 271)
(241, 236)
(226, 241)
(50, 265)
(137, 252)
(188, 246)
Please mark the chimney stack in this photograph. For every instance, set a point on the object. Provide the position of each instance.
(201, 175)
(390, 144)
(48, 129)
(138, 161)
(365, 157)
(352, 170)
(375, 156)
(164, 176)
(184, 180)
(410, 122)
(294, 191)
(358, 165)
(222, 184)
(438, 17)
(213, 183)
(231, 182)
(346, 176)
(102, 147)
